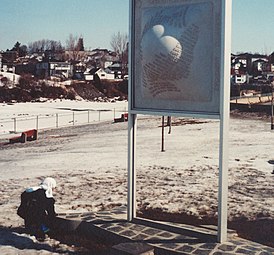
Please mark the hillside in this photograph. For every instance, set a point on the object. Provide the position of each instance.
(30, 90)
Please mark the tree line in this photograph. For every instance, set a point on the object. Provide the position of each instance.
(74, 44)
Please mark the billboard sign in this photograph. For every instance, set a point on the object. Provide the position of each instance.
(176, 56)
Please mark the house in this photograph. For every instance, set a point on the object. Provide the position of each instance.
(12, 77)
(240, 78)
(116, 69)
(101, 58)
(7, 61)
(242, 62)
(89, 73)
(259, 66)
(103, 74)
(25, 65)
(239, 68)
(42, 69)
(60, 69)
(239, 64)
(247, 62)
(45, 69)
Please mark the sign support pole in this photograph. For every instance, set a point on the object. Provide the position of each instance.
(131, 203)
(224, 123)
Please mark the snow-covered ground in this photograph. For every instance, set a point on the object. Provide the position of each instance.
(17, 117)
(89, 163)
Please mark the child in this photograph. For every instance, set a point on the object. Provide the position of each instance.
(37, 208)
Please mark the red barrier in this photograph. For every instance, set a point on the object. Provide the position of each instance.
(29, 135)
(123, 118)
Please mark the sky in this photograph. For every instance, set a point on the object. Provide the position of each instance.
(97, 20)
(252, 26)
(31, 20)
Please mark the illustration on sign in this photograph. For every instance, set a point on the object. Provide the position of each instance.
(169, 39)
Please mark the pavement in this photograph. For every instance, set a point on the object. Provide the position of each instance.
(148, 237)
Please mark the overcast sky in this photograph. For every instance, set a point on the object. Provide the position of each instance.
(97, 20)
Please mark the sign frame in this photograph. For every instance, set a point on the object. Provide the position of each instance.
(205, 99)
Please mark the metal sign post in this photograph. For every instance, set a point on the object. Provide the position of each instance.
(224, 123)
(132, 128)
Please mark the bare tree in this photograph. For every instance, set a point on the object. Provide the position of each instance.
(119, 44)
(74, 46)
(45, 45)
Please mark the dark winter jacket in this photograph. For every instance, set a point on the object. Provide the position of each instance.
(36, 208)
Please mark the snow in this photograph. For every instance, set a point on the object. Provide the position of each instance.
(18, 117)
(89, 162)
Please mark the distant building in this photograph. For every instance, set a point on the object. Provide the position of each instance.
(240, 78)
(101, 58)
(61, 69)
(259, 66)
(103, 74)
(42, 69)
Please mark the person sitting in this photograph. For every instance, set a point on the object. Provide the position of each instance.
(37, 208)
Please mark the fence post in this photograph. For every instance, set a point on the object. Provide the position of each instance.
(114, 113)
(88, 116)
(73, 118)
(56, 120)
(99, 115)
(163, 134)
(14, 125)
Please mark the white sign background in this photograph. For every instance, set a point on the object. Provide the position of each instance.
(176, 56)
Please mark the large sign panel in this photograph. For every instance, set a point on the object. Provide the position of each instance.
(176, 55)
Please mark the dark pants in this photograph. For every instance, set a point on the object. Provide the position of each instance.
(38, 227)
